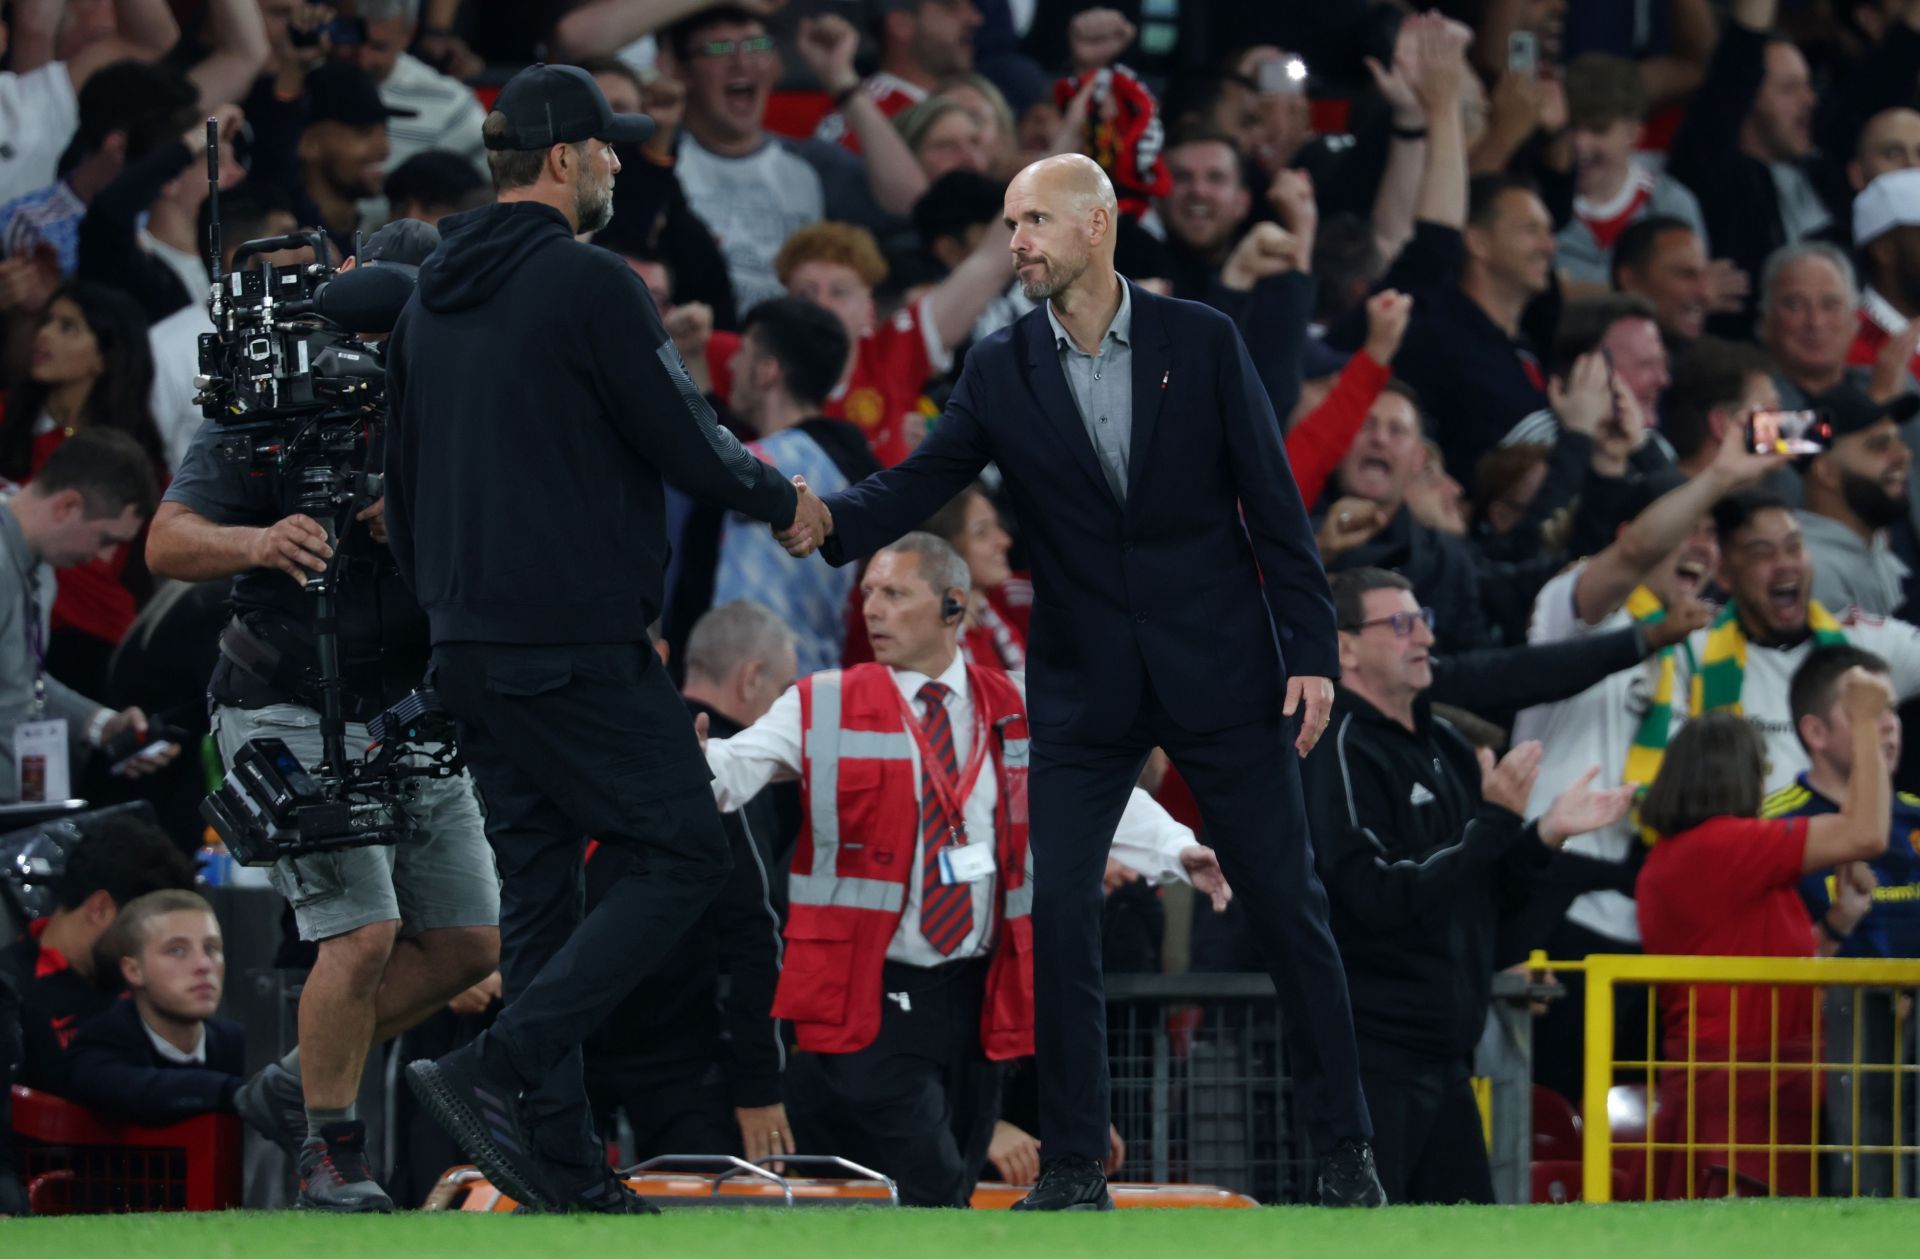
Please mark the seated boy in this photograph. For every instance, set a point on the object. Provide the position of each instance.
(160, 1056)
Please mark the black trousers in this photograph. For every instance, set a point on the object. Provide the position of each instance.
(569, 742)
(1247, 783)
(919, 1103)
(1428, 1143)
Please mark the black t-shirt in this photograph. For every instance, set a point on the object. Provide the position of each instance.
(383, 633)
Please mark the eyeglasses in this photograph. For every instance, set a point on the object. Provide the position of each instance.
(722, 48)
(1402, 622)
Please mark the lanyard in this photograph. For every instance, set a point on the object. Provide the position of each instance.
(36, 642)
(952, 795)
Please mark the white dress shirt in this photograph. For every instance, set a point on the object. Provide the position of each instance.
(1148, 839)
(172, 1053)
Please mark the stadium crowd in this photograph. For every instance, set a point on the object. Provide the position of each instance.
(1618, 670)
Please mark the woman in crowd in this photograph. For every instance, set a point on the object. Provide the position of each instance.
(944, 136)
(1723, 882)
(91, 368)
(1000, 604)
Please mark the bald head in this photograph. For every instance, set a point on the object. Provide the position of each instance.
(1074, 178)
(1061, 211)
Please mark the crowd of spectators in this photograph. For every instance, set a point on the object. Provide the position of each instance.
(1517, 276)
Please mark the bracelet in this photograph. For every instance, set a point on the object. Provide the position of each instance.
(1826, 929)
(97, 726)
(1408, 133)
(845, 94)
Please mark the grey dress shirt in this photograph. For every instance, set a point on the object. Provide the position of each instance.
(1102, 387)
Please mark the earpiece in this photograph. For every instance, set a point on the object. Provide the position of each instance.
(951, 609)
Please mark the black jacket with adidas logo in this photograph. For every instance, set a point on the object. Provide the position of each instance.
(1420, 871)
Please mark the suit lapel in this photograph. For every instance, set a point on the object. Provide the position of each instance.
(1049, 384)
(1152, 366)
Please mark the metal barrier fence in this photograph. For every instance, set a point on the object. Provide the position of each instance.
(1202, 1093)
(1810, 1090)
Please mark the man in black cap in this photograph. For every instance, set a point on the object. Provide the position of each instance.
(343, 151)
(538, 407)
(401, 929)
(1856, 495)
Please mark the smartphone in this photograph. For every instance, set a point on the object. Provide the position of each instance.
(1287, 76)
(1789, 432)
(128, 746)
(1523, 53)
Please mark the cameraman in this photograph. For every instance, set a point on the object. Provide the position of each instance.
(402, 928)
(538, 408)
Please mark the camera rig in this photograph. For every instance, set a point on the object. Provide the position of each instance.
(303, 397)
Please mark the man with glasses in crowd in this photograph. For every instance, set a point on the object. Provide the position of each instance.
(1423, 845)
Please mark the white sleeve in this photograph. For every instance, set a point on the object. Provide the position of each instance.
(939, 357)
(1896, 642)
(767, 751)
(171, 399)
(1555, 618)
(1150, 841)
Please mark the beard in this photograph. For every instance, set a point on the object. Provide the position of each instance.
(593, 207)
(1054, 278)
(1870, 502)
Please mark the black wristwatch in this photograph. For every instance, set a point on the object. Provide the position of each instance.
(1826, 929)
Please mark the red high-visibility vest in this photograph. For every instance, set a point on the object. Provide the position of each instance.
(859, 823)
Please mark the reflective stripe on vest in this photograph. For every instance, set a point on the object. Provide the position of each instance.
(1019, 901)
(826, 742)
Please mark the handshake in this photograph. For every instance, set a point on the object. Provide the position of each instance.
(812, 522)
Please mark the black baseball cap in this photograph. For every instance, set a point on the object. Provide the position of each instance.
(343, 93)
(1850, 410)
(401, 243)
(548, 105)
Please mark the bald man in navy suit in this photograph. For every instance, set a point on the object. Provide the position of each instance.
(1179, 602)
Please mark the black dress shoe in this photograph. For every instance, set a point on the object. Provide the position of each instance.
(479, 1107)
(1069, 1183)
(1348, 1178)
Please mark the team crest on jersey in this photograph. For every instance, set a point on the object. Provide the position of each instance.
(864, 407)
(1913, 842)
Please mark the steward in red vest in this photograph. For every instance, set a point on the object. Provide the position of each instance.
(908, 974)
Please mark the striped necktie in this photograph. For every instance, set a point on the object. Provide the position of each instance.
(946, 909)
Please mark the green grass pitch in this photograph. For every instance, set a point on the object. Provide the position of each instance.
(1746, 1230)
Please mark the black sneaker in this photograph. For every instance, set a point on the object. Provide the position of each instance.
(607, 1194)
(1348, 1178)
(271, 1103)
(334, 1175)
(480, 1110)
(1069, 1183)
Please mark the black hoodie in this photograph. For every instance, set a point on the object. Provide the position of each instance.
(536, 404)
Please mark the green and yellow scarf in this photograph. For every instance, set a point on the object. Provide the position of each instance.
(1716, 680)
(1650, 740)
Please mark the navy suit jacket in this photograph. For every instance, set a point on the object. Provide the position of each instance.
(1165, 588)
(116, 1072)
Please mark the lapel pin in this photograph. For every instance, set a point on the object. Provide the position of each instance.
(1163, 378)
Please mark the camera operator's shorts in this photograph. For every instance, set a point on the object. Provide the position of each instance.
(444, 877)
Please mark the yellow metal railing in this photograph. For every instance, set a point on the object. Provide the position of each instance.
(1738, 1061)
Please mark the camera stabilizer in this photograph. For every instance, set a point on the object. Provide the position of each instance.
(303, 397)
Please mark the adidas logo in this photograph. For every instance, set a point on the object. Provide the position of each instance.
(1420, 795)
